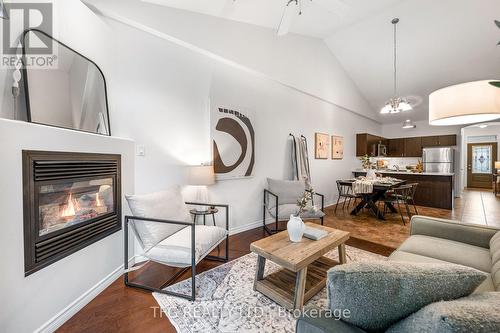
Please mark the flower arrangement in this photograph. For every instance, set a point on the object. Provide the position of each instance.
(303, 201)
(365, 161)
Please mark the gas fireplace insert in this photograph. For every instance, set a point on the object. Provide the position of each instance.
(71, 200)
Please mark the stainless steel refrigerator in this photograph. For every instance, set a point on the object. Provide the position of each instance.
(440, 159)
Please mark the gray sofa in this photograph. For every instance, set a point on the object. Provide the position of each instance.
(433, 240)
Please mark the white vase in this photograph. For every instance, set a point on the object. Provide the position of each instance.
(295, 228)
(370, 174)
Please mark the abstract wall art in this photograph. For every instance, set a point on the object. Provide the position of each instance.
(233, 142)
(337, 147)
(321, 145)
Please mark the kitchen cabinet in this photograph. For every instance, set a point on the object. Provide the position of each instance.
(430, 141)
(447, 140)
(439, 141)
(401, 147)
(396, 148)
(413, 147)
(366, 144)
(432, 191)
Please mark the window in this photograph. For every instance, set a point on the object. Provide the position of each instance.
(481, 159)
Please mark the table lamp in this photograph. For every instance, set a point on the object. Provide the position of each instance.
(200, 176)
(497, 166)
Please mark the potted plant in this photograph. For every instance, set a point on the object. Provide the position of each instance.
(365, 162)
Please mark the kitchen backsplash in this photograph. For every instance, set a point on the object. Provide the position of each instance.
(401, 161)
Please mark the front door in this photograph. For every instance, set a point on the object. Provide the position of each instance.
(480, 161)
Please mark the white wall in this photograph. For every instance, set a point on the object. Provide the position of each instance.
(159, 94)
(423, 129)
(300, 62)
(475, 131)
(30, 302)
(169, 115)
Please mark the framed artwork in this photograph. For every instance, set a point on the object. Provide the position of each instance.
(233, 142)
(321, 145)
(337, 147)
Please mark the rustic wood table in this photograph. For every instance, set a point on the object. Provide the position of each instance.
(304, 267)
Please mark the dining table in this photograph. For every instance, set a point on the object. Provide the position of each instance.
(369, 200)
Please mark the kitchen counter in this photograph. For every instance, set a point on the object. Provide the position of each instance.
(433, 190)
(404, 172)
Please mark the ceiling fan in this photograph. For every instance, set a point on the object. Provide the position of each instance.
(293, 9)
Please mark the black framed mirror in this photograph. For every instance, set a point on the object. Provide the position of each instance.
(62, 87)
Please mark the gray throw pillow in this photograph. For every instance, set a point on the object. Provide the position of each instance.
(379, 293)
(477, 313)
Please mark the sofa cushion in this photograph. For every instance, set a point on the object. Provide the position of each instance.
(448, 250)
(383, 292)
(166, 205)
(475, 313)
(495, 259)
(284, 212)
(288, 191)
(176, 249)
(487, 284)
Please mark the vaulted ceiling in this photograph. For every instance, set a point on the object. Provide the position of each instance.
(440, 42)
(319, 18)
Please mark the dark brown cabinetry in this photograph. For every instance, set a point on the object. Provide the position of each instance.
(396, 148)
(401, 147)
(439, 141)
(413, 147)
(366, 144)
(430, 141)
(447, 140)
(432, 191)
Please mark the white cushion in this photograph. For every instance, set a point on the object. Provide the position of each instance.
(448, 250)
(176, 249)
(165, 205)
(288, 191)
(284, 212)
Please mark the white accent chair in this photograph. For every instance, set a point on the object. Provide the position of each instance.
(165, 230)
(286, 193)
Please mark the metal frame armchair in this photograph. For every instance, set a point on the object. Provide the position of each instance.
(275, 213)
(193, 249)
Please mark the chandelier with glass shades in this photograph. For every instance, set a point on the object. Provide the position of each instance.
(395, 104)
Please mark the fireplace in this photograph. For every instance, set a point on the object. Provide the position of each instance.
(71, 200)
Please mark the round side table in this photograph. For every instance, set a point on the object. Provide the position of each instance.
(210, 211)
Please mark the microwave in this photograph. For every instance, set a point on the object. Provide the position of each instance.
(381, 150)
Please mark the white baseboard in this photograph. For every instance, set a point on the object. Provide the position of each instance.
(60, 318)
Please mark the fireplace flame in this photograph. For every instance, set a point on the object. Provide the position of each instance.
(69, 209)
(98, 202)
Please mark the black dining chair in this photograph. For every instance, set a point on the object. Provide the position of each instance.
(400, 196)
(411, 198)
(345, 191)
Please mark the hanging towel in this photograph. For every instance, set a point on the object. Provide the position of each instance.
(300, 160)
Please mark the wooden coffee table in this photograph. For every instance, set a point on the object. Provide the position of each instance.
(304, 267)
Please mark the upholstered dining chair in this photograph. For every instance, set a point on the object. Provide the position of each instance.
(280, 201)
(167, 234)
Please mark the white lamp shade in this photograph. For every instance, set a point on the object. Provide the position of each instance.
(201, 175)
(497, 165)
(464, 103)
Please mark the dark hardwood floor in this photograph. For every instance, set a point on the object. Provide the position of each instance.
(120, 309)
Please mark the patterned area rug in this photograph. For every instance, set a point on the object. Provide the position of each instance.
(226, 301)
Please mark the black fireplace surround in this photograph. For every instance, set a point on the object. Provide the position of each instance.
(70, 201)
